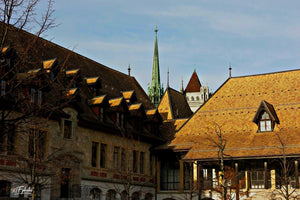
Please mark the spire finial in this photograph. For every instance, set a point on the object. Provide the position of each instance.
(129, 69)
(230, 70)
(155, 30)
(168, 75)
(181, 89)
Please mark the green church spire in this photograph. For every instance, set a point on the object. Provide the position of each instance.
(155, 92)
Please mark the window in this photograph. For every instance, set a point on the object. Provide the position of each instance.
(102, 155)
(39, 98)
(94, 153)
(170, 175)
(123, 159)
(265, 123)
(142, 162)
(4, 188)
(187, 98)
(65, 179)
(3, 87)
(116, 157)
(95, 193)
(111, 195)
(36, 143)
(67, 129)
(135, 161)
(188, 175)
(257, 179)
(32, 95)
(7, 140)
(120, 119)
(197, 98)
(192, 98)
(101, 114)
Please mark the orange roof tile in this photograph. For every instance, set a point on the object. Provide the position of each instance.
(135, 106)
(233, 107)
(194, 84)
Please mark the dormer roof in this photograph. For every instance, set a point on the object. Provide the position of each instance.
(129, 96)
(194, 84)
(71, 92)
(265, 106)
(72, 72)
(99, 100)
(49, 64)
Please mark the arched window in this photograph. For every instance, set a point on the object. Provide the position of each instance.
(124, 195)
(111, 195)
(4, 188)
(95, 193)
(192, 98)
(197, 98)
(265, 123)
(135, 196)
(148, 196)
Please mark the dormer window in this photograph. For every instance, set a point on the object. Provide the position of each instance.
(265, 123)
(265, 117)
(3, 87)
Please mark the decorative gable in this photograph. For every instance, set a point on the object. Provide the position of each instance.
(265, 117)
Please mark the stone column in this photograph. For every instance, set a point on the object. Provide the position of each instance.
(296, 174)
(273, 179)
(236, 171)
(266, 175)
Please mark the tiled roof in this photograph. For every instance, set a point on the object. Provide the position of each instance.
(112, 81)
(173, 105)
(233, 107)
(168, 130)
(194, 84)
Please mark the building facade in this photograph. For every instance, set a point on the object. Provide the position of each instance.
(73, 128)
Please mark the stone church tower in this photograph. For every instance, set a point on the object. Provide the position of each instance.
(156, 91)
(195, 93)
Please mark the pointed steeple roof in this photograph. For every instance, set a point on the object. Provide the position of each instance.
(155, 91)
(194, 84)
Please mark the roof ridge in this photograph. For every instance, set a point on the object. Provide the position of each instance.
(269, 73)
(64, 48)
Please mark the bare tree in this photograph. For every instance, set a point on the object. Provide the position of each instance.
(229, 183)
(286, 189)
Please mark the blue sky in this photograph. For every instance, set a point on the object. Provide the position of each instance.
(254, 36)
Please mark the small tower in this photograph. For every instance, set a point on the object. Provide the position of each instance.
(155, 92)
(195, 93)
